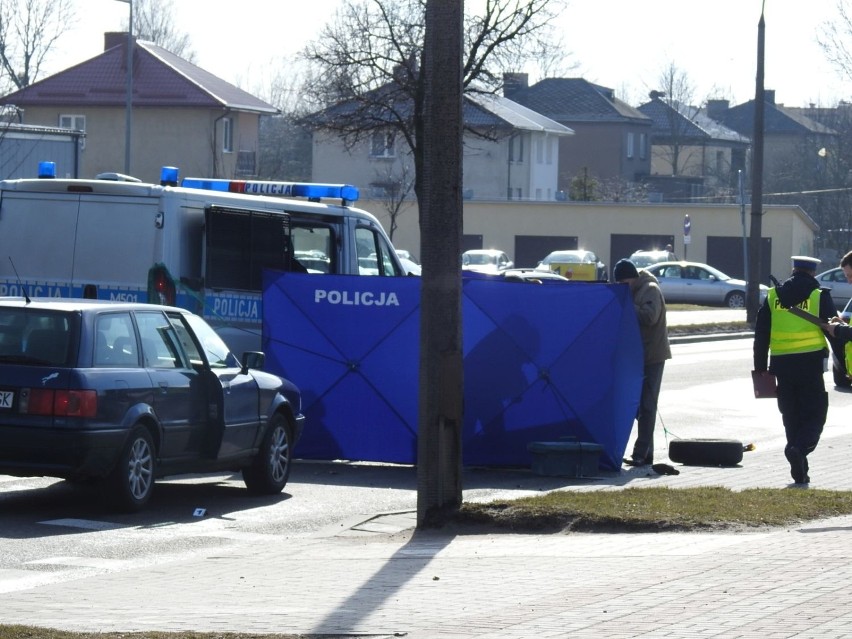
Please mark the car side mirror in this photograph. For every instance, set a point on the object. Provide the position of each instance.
(253, 359)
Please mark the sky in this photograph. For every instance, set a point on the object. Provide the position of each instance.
(621, 44)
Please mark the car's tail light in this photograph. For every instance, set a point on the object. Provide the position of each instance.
(61, 403)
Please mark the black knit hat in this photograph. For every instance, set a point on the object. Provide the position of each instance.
(624, 269)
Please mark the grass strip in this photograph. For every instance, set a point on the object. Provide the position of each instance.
(655, 509)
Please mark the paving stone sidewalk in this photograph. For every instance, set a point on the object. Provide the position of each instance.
(379, 577)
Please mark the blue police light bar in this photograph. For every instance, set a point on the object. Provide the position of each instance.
(311, 191)
(47, 170)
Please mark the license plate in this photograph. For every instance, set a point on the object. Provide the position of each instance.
(6, 399)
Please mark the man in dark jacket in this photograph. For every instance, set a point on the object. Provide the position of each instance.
(650, 309)
(798, 356)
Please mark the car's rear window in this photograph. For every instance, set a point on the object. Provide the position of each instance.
(35, 336)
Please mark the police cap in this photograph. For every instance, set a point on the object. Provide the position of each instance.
(805, 263)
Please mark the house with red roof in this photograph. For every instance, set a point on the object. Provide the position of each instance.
(181, 115)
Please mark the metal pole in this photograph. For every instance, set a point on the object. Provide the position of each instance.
(743, 219)
(128, 105)
(128, 116)
(752, 290)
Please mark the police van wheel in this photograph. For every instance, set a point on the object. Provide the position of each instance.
(706, 452)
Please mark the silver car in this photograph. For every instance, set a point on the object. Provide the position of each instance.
(486, 261)
(835, 280)
(697, 283)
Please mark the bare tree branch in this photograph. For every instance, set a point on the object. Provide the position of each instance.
(835, 39)
(153, 20)
(369, 59)
(28, 31)
(678, 93)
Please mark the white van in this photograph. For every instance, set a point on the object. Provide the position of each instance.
(201, 246)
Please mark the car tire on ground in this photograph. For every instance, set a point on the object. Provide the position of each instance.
(706, 452)
(132, 480)
(270, 469)
(735, 300)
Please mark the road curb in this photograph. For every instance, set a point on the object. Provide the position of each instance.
(709, 337)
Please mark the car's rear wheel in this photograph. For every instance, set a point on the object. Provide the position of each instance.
(736, 299)
(270, 469)
(132, 481)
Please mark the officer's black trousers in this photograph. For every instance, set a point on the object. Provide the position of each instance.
(802, 398)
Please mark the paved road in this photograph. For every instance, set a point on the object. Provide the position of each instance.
(710, 316)
(376, 576)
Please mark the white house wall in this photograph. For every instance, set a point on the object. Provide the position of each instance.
(488, 173)
(544, 167)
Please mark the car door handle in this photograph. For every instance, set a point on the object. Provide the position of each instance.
(164, 387)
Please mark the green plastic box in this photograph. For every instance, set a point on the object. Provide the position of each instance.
(565, 458)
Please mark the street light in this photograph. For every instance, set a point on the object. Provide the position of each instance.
(128, 108)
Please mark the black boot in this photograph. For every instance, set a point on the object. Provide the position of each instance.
(798, 464)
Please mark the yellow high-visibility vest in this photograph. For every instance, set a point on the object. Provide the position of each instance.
(791, 334)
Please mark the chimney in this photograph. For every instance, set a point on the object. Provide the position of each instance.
(769, 96)
(114, 39)
(716, 109)
(514, 82)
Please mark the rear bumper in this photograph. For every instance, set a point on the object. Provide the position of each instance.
(53, 452)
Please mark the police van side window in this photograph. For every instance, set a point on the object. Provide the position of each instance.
(374, 253)
(240, 244)
(313, 247)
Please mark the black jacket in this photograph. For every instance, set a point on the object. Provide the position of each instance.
(794, 290)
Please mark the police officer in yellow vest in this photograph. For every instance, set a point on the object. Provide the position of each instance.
(798, 349)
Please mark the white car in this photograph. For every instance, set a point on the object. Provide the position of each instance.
(835, 280)
(411, 267)
(486, 261)
(645, 258)
(532, 275)
(697, 283)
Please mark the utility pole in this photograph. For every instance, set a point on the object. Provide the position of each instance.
(128, 106)
(439, 453)
(752, 297)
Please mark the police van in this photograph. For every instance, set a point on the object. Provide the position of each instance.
(200, 244)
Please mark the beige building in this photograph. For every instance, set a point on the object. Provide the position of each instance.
(528, 231)
(510, 153)
(181, 115)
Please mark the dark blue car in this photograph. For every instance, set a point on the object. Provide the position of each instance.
(125, 393)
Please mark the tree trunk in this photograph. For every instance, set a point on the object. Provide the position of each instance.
(439, 196)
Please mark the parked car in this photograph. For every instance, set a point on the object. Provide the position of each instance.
(314, 261)
(410, 267)
(532, 275)
(697, 283)
(123, 393)
(486, 260)
(835, 280)
(645, 258)
(406, 255)
(575, 265)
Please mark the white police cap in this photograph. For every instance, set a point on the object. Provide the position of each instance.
(805, 263)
